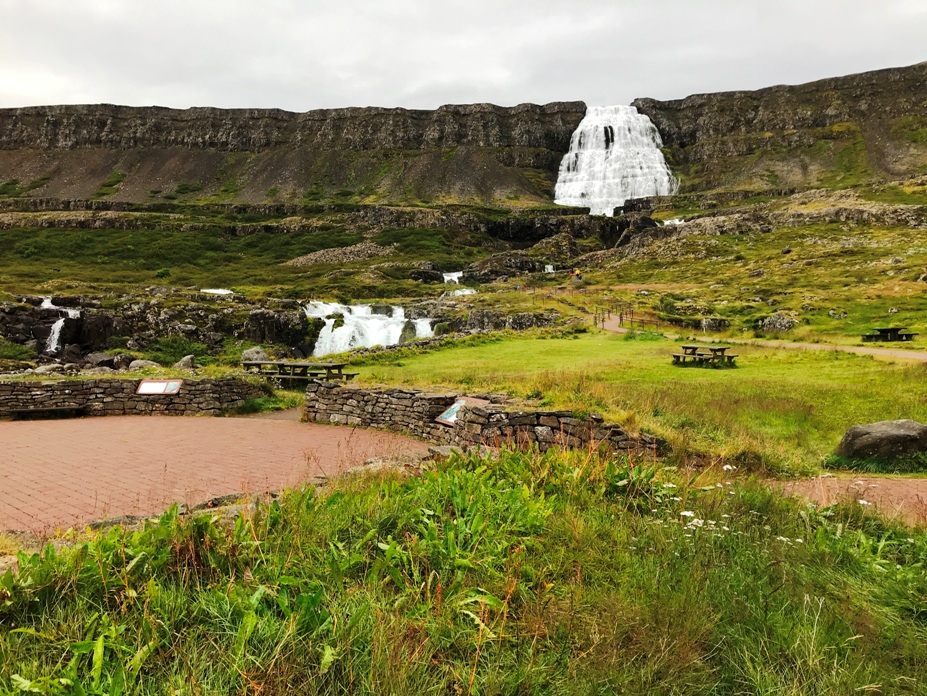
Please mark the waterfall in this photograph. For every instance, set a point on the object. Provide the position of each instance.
(452, 278)
(614, 156)
(53, 344)
(362, 327)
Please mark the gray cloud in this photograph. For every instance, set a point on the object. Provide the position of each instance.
(304, 54)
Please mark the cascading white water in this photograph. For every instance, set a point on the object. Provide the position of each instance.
(452, 278)
(53, 344)
(548, 268)
(614, 156)
(362, 328)
(461, 292)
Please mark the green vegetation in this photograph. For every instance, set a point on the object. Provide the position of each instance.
(110, 185)
(280, 400)
(780, 410)
(167, 351)
(556, 573)
(12, 188)
(894, 465)
(838, 282)
(14, 351)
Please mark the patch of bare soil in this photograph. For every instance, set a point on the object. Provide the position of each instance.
(894, 497)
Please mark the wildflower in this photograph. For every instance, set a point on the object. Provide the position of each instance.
(687, 513)
(676, 498)
(799, 541)
(782, 538)
(726, 516)
(718, 485)
(909, 540)
(726, 529)
(864, 502)
(728, 467)
(669, 485)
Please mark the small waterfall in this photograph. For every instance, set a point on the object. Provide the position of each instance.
(361, 327)
(548, 268)
(53, 344)
(614, 156)
(452, 278)
(461, 292)
(423, 328)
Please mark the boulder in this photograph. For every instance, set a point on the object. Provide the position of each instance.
(49, 369)
(71, 353)
(885, 440)
(778, 322)
(423, 275)
(187, 362)
(142, 364)
(122, 361)
(100, 360)
(255, 354)
(500, 266)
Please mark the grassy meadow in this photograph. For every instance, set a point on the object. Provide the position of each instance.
(783, 410)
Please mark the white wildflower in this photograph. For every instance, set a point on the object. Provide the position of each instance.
(864, 502)
(687, 513)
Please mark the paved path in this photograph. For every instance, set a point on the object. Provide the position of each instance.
(921, 356)
(63, 473)
(895, 497)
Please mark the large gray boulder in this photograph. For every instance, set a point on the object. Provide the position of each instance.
(885, 440)
(142, 364)
(187, 362)
(254, 354)
(100, 360)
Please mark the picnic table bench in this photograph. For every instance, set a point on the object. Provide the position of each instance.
(704, 355)
(889, 333)
(298, 370)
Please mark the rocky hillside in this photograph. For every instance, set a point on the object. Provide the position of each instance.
(833, 132)
(476, 153)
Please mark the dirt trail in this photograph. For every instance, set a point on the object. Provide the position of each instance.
(895, 497)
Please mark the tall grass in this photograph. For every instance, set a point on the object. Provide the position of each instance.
(781, 410)
(556, 573)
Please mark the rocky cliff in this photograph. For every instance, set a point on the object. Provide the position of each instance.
(832, 132)
(470, 153)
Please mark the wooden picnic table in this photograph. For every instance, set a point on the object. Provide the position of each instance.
(889, 333)
(707, 354)
(298, 370)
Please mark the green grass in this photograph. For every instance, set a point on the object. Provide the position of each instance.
(783, 410)
(110, 185)
(859, 274)
(553, 574)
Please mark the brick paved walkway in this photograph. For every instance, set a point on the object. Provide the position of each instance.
(63, 473)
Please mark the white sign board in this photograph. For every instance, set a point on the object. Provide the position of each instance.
(159, 387)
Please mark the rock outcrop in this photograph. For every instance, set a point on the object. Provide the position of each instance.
(473, 153)
(837, 130)
(885, 441)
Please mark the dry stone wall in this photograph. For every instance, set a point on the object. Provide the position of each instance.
(117, 397)
(414, 412)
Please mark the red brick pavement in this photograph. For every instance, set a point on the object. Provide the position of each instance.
(63, 473)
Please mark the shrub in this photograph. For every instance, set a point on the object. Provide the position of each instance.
(167, 351)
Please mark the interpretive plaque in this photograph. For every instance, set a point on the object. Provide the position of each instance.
(159, 387)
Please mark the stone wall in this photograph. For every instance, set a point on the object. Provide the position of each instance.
(414, 412)
(117, 397)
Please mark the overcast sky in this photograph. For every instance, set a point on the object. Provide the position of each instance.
(306, 54)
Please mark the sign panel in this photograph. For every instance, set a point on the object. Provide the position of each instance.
(159, 387)
(449, 417)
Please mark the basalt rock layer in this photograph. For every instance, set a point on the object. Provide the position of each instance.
(832, 132)
(473, 153)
